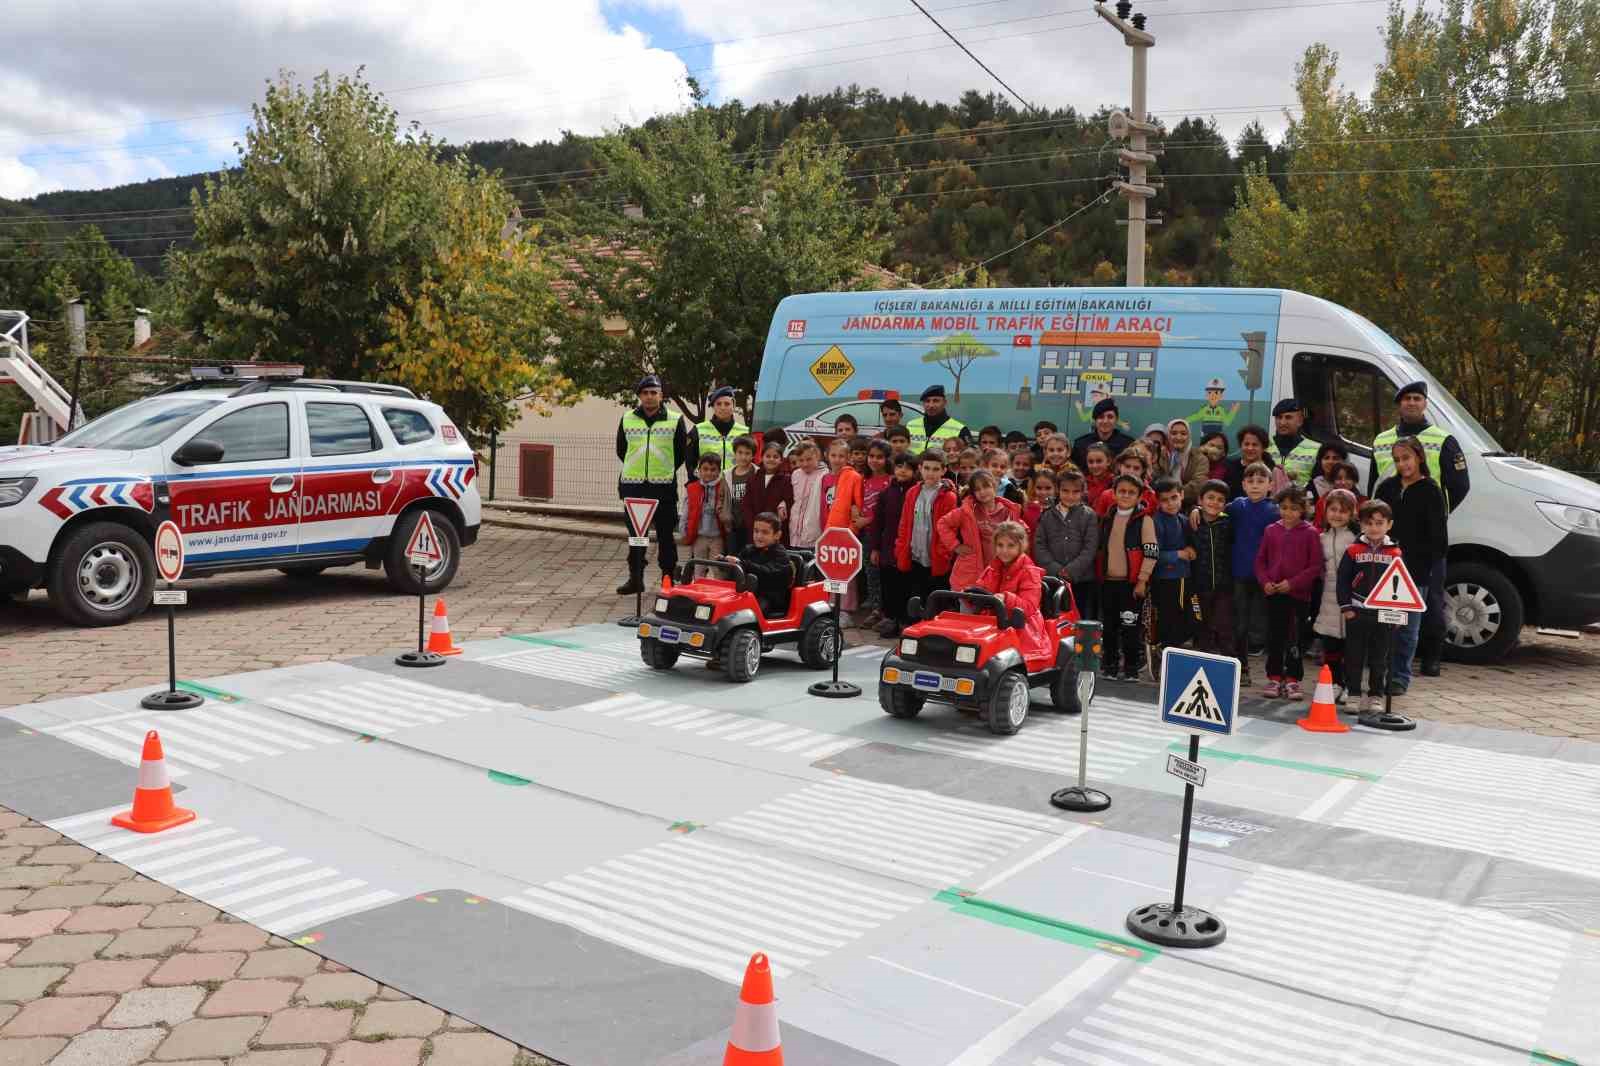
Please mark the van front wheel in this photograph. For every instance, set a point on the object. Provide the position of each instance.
(1483, 614)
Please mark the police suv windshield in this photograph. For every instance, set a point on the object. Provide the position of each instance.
(141, 424)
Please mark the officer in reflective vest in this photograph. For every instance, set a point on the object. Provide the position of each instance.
(1291, 449)
(651, 443)
(935, 423)
(717, 433)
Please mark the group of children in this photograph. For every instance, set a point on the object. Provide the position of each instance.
(1156, 562)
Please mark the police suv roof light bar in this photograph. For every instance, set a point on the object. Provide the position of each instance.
(246, 371)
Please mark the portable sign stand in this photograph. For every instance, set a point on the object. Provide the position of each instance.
(839, 555)
(1393, 597)
(1081, 797)
(1199, 693)
(422, 550)
(169, 565)
(640, 513)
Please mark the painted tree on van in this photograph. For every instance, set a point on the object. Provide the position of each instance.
(955, 353)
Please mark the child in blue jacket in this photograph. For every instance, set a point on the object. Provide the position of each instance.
(1251, 514)
(1169, 592)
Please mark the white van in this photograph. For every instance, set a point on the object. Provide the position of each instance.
(1525, 543)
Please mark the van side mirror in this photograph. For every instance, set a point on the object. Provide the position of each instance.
(198, 452)
(914, 607)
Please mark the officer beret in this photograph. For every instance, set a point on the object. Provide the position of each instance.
(649, 381)
(726, 390)
(1418, 387)
(1105, 405)
(930, 391)
(1288, 406)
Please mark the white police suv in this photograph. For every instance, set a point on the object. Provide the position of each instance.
(258, 466)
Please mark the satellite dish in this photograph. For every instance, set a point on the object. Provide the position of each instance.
(1117, 125)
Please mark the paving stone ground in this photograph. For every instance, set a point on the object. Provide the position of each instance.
(164, 979)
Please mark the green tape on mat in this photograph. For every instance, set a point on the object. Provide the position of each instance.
(1046, 926)
(550, 642)
(507, 779)
(209, 692)
(1287, 764)
(1551, 1057)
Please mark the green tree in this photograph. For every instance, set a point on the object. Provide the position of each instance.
(710, 241)
(956, 353)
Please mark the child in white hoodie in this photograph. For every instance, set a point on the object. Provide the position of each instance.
(1338, 533)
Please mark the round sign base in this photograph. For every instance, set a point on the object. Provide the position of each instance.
(1188, 928)
(419, 658)
(1394, 723)
(1080, 798)
(171, 701)
(630, 622)
(834, 690)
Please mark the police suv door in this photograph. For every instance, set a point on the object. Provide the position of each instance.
(243, 505)
(350, 478)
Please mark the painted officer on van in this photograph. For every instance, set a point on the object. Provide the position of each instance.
(651, 443)
(718, 432)
(1291, 449)
(935, 423)
(1212, 416)
(1105, 431)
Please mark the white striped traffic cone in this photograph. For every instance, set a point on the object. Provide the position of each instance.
(754, 1040)
(439, 641)
(153, 809)
(1324, 716)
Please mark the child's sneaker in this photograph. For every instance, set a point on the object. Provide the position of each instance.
(1365, 707)
(1291, 691)
(1272, 689)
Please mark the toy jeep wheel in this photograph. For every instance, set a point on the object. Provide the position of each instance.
(899, 701)
(741, 655)
(1008, 706)
(656, 655)
(819, 643)
(1073, 687)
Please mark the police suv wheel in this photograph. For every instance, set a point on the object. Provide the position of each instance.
(402, 575)
(102, 575)
(820, 643)
(741, 655)
(1008, 704)
(1482, 614)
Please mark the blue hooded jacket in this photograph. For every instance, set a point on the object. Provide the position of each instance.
(1250, 522)
(1172, 536)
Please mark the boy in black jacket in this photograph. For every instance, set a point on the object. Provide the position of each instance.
(1364, 638)
(1211, 573)
(767, 561)
(880, 542)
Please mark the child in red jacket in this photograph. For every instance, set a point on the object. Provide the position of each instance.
(919, 553)
(709, 512)
(1018, 581)
(1287, 567)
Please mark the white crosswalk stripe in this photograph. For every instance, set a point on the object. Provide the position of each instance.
(1516, 824)
(210, 738)
(1555, 782)
(1122, 734)
(384, 705)
(708, 906)
(219, 865)
(1163, 1016)
(908, 833)
(1435, 962)
(863, 651)
(594, 669)
(723, 725)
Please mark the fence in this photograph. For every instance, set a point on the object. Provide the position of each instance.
(571, 468)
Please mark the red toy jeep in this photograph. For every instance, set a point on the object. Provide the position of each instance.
(718, 617)
(975, 662)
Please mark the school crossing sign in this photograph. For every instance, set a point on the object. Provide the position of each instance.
(1199, 692)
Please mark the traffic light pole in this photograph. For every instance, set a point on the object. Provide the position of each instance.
(1137, 156)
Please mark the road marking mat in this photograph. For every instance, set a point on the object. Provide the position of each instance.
(723, 725)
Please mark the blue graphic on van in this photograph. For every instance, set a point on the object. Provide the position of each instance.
(1012, 357)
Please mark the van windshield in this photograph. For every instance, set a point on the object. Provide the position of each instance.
(141, 424)
(1469, 432)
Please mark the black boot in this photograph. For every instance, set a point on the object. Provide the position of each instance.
(632, 586)
(1432, 652)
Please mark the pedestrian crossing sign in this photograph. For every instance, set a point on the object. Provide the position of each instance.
(1199, 691)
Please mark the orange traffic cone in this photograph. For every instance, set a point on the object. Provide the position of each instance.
(754, 1040)
(153, 809)
(439, 641)
(1324, 716)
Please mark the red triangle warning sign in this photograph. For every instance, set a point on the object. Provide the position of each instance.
(423, 547)
(639, 511)
(1395, 591)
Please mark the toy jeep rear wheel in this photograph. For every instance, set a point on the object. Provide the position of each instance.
(820, 642)
(1008, 704)
(741, 655)
(656, 655)
(1073, 687)
(899, 701)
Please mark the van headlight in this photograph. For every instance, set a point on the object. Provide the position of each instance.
(661, 605)
(908, 647)
(15, 489)
(966, 653)
(1561, 515)
(703, 612)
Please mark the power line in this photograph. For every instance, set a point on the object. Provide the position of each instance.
(986, 68)
(938, 283)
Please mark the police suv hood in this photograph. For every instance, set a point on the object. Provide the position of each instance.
(1547, 483)
(53, 464)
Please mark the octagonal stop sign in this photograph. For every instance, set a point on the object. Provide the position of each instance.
(838, 557)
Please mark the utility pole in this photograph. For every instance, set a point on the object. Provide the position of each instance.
(1134, 128)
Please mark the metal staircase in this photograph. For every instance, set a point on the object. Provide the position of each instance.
(54, 403)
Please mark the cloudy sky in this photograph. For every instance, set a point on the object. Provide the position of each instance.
(96, 93)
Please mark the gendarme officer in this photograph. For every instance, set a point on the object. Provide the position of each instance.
(651, 442)
(935, 423)
(716, 434)
(1291, 449)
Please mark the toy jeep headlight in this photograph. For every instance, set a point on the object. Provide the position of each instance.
(703, 612)
(661, 605)
(908, 647)
(967, 653)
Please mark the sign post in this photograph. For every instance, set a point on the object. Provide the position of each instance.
(169, 565)
(1395, 598)
(640, 512)
(1081, 797)
(1200, 694)
(422, 551)
(839, 558)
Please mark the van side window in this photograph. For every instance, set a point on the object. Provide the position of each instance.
(1349, 400)
(408, 426)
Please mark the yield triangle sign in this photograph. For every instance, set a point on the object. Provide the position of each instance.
(1395, 591)
(639, 511)
(423, 547)
(1198, 703)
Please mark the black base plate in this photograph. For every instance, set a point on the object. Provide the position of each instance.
(419, 658)
(630, 622)
(1080, 798)
(171, 701)
(1394, 723)
(834, 690)
(1189, 928)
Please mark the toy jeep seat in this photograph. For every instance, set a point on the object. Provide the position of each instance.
(1052, 595)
